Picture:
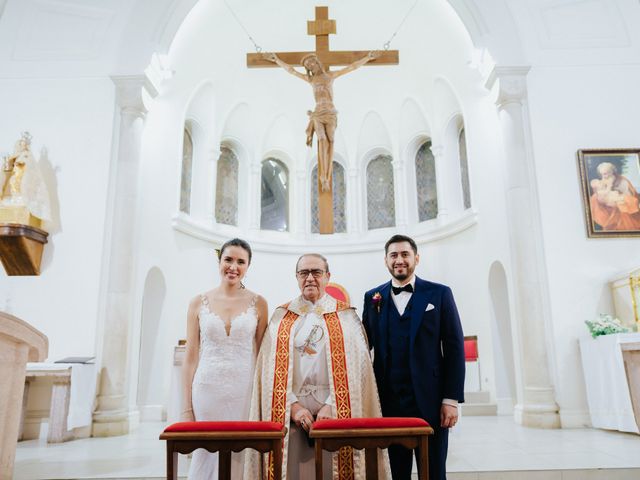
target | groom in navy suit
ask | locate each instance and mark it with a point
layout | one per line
(414, 329)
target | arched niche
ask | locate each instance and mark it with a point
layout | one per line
(280, 136)
(486, 28)
(200, 121)
(150, 389)
(373, 134)
(502, 340)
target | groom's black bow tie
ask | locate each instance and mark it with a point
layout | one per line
(407, 288)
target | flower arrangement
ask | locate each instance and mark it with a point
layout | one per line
(377, 300)
(605, 324)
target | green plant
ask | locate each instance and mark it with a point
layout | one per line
(605, 324)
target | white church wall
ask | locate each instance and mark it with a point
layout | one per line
(71, 121)
(573, 108)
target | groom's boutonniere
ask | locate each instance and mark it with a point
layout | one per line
(377, 300)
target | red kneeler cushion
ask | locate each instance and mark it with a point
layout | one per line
(224, 427)
(379, 423)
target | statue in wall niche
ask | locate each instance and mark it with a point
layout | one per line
(24, 193)
(324, 119)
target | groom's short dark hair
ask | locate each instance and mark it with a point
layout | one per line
(401, 238)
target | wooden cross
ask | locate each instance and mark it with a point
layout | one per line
(321, 28)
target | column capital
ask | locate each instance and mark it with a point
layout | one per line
(437, 150)
(129, 93)
(513, 84)
(214, 153)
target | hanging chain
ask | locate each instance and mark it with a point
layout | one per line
(387, 44)
(257, 47)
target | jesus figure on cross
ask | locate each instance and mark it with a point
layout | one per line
(324, 119)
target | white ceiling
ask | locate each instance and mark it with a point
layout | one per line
(106, 37)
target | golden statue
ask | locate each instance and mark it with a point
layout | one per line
(24, 197)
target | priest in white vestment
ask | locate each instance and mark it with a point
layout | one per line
(309, 345)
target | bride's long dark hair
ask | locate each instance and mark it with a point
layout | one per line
(235, 242)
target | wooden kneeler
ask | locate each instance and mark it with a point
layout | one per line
(224, 438)
(371, 434)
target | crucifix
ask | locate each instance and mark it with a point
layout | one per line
(322, 120)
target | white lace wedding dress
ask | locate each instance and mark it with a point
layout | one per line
(222, 383)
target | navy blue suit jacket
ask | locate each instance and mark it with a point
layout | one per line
(436, 342)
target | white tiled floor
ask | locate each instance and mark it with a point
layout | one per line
(495, 448)
(480, 448)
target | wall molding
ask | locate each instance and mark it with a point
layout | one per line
(339, 243)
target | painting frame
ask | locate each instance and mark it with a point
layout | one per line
(610, 182)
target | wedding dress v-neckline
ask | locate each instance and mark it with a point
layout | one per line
(228, 327)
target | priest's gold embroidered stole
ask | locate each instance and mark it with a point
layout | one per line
(340, 381)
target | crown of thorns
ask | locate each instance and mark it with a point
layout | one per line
(307, 57)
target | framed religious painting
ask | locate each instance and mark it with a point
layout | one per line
(610, 184)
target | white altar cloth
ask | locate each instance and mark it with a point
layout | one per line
(607, 389)
(82, 389)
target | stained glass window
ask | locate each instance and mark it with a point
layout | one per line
(227, 188)
(380, 198)
(274, 213)
(185, 180)
(339, 200)
(464, 169)
(426, 183)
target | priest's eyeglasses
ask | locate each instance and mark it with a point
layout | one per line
(315, 273)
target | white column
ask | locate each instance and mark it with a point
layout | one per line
(300, 203)
(354, 200)
(537, 406)
(255, 201)
(400, 192)
(112, 416)
(441, 181)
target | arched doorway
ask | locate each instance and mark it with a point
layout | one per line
(150, 382)
(502, 337)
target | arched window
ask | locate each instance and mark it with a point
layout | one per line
(464, 169)
(339, 200)
(227, 187)
(426, 187)
(185, 179)
(274, 196)
(381, 210)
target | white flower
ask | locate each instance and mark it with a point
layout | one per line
(605, 324)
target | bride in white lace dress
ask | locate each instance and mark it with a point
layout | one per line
(224, 330)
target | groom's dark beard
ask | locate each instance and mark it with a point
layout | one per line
(402, 276)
